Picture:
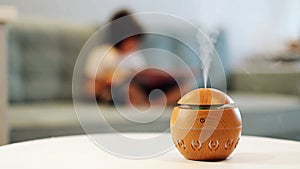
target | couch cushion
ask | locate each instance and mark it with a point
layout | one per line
(262, 114)
(42, 57)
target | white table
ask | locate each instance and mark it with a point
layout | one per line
(7, 13)
(80, 152)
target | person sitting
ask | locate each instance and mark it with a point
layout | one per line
(103, 62)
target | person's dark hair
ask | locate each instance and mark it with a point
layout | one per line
(123, 28)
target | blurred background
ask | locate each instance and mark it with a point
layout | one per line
(258, 42)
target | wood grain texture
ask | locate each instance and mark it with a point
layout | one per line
(188, 127)
(205, 96)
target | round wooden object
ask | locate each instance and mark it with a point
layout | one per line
(205, 96)
(206, 134)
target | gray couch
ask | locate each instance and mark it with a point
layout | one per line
(42, 58)
(41, 63)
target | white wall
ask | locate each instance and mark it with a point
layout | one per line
(253, 26)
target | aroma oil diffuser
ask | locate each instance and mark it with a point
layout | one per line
(206, 126)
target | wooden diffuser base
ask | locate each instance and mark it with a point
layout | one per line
(207, 132)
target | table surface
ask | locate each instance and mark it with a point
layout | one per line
(80, 152)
